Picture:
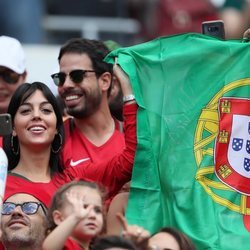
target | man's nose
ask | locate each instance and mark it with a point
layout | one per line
(17, 210)
(68, 83)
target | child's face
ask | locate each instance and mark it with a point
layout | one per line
(92, 225)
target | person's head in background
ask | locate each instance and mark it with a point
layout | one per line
(61, 207)
(23, 222)
(171, 239)
(116, 95)
(84, 80)
(113, 242)
(23, 108)
(12, 69)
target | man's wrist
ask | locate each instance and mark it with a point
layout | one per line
(128, 98)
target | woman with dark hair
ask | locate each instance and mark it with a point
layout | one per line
(170, 238)
(33, 148)
(11, 143)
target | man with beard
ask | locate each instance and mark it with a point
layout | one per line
(23, 222)
(84, 83)
(116, 95)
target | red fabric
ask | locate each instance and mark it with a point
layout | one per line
(42, 191)
(180, 16)
(78, 147)
(70, 245)
(1, 142)
(112, 174)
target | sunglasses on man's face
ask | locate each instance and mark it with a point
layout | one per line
(28, 208)
(75, 75)
(9, 76)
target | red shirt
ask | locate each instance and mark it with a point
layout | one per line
(111, 173)
(71, 244)
(78, 149)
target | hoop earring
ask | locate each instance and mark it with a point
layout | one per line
(55, 151)
(15, 152)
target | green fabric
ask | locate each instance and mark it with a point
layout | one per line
(177, 82)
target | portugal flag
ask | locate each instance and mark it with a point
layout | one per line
(192, 165)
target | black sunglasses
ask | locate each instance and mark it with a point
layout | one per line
(75, 75)
(28, 208)
(9, 76)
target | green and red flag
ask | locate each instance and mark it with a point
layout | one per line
(192, 165)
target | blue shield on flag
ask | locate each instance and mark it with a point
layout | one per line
(237, 150)
(232, 150)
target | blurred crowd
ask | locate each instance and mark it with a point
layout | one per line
(24, 19)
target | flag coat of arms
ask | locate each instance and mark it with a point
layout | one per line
(192, 164)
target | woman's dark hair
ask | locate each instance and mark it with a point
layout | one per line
(111, 241)
(11, 144)
(182, 239)
(58, 199)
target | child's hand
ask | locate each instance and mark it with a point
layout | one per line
(79, 208)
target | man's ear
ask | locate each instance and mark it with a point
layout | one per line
(57, 217)
(106, 79)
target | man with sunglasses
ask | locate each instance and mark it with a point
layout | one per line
(84, 84)
(23, 222)
(12, 69)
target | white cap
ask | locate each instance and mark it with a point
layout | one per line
(12, 54)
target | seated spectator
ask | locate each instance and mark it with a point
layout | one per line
(23, 222)
(170, 238)
(75, 216)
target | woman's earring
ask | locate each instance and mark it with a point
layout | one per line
(55, 151)
(14, 151)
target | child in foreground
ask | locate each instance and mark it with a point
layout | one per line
(75, 216)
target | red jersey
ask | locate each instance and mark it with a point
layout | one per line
(71, 244)
(111, 173)
(78, 149)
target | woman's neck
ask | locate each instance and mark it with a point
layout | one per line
(34, 165)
